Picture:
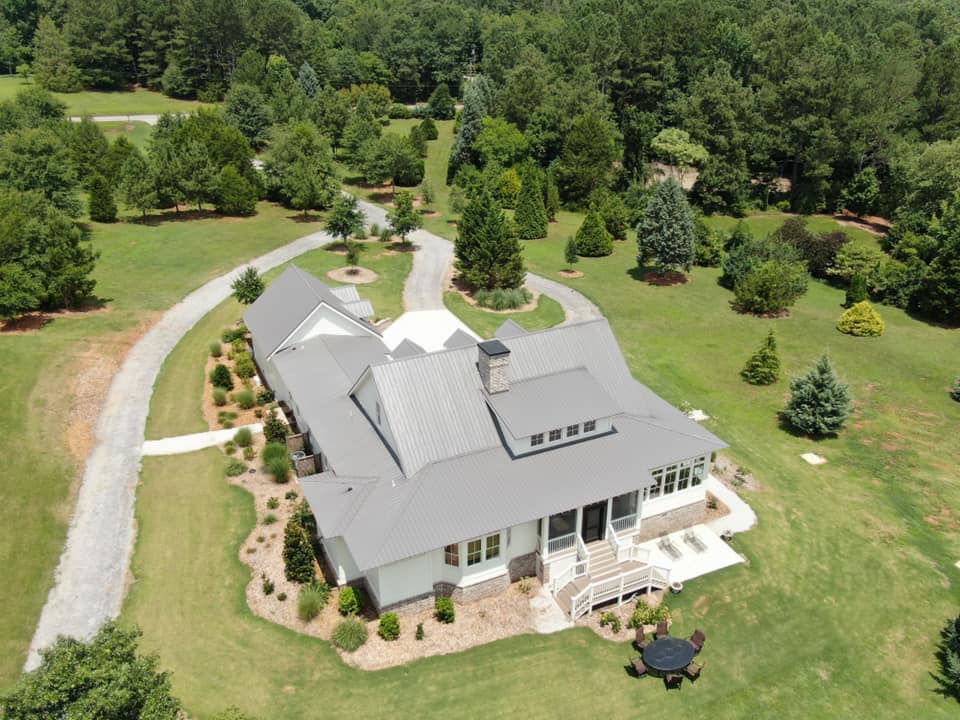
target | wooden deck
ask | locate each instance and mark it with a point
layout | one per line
(603, 566)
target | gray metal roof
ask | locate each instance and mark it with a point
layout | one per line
(363, 309)
(287, 302)
(406, 348)
(552, 401)
(459, 339)
(346, 293)
(509, 329)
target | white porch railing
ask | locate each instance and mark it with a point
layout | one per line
(561, 543)
(579, 568)
(650, 576)
(625, 550)
(622, 524)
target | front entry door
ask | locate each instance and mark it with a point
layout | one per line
(594, 521)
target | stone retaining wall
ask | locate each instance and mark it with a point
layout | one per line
(672, 520)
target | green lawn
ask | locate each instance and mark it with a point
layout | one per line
(547, 314)
(182, 375)
(136, 132)
(90, 102)
(143, 270)
(851, 568)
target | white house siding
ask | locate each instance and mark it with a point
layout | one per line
(324, 321)
(403, 580)
(521, 446)
(338, 554)
(368, 397)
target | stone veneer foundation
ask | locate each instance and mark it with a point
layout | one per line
(672, 520)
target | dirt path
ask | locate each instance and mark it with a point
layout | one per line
(91, 576)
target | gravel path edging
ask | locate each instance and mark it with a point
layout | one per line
(90, 579)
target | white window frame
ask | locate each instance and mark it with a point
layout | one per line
(592, 426)
(453, 554)
(556, 434)
(487, 545)
(573, 430)
(479, 559)
(536, 440)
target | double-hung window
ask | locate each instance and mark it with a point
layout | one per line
(556, 435)
(698, 472)
(683, 481)
(474, 552)
(654, 490)
(493, 546)
(573, 430)
(451, 555)
(590, 426)
(536, 440)
(670, 480)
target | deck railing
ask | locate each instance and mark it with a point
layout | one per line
(579, 568)
(625, 550)
(622, 524)
(561, 543)
(650, 577)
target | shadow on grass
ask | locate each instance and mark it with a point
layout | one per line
(38, 319)
(171, 216)
(649, 275)
(784, 424)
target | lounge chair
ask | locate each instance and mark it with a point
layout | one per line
(698, 639)
(641, 639)
(638, 667)
(673, 681)
(663, 630)
(692, 671)
(691, 539)
(666, 544)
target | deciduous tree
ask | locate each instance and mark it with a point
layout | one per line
(346, 218)
(403, 218)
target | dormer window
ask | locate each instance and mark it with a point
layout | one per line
(555, 435)
(590, 426)
(573, 430)
(536, 440)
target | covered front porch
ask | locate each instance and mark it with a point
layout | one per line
(562, 534)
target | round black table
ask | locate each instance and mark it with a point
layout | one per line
(668, 654)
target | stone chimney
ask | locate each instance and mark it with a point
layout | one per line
(494, 366)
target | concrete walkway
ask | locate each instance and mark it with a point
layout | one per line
(195, 441)
(91, 576)
(741, 517)
(148, 119)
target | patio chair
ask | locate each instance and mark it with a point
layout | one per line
(698, 639)
(693, 540)
(692, 671)
(641, 642)
(663, 630)
(666, 544)
(638, 667)
(673, 681)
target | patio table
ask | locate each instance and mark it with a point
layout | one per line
(668, 654)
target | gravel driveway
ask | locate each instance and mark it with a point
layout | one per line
(90, 579)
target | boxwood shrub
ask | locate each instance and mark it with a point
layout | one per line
(389, 628)
(351, 601)
(444, 611)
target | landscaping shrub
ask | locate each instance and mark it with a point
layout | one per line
(949, 656)
(502, 298)
(819, 403)
(279, 468)
(274, 450)
(258, 413)
(375, 229)
(243, 437)
(235, 467)
(243, 365)
(389, 628)
(269, 519)
(297, 554)
(643, 614)
(267, 586)
(249, 453)
(444, 611)
(351, 601)
(228, 335)
(856, 291)
(274, 429)
(216, 349)
(419, 633)
(955, 390)
(861, 320)
(593, 239)
(226, 424)
(708, 251)
(220, 377)
(229, 447)
(763, 367)
(349, 634)
(818, 249)
(429, 129)
(398, 111)
(525, 585)
(609, 618)
(273, 503)
(313, 598)
(290, 495)
(244, 399)
(282, 596)
(771, 288)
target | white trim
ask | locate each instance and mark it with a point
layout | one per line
(320, 305)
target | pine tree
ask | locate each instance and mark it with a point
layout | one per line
(593, 240)
(297, 554)
(950, 656)
(248, 286)
(666, 230)
(488, 255)
(763, 367)
(570, 253)
(53, 65)
(819, 403)
(531, 215)
(102, 208)
(551, 197)
(476, 97)
(441, 104)
(403, 219)
(235, 195)
(308, 81)
(137, 188)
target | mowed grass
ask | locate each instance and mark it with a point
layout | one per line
(143, 270)
(182, 375)
(547, 313)
(93, 102)
(851, 568)
(136, 132)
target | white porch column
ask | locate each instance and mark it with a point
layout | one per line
(579, 520)
(544, 536)
(609, 515)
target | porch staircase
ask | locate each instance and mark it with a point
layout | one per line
(608, 580)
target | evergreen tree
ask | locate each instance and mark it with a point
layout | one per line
(861, 320)
(950, 656)
(36, 159)
(403, 219)
(939, 293)
(300, 169)
(856, 291)
(297, 554)
(360, 129)
(819, 403)
(117, 154)
(441, 104)
(248, 286)
(570, 253)
(531, 215)
(863, 193)
(666, 230)
(53, 64)
(137, 188)
(475, 107)
(308, 81)
(428, 128)
(593, 240)
(488, 256)
(88, 148)
(955, 390)
(102, 207)
(247, 111)
(551, 197)
(763, 367)
(235, 195)
(346, 218)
